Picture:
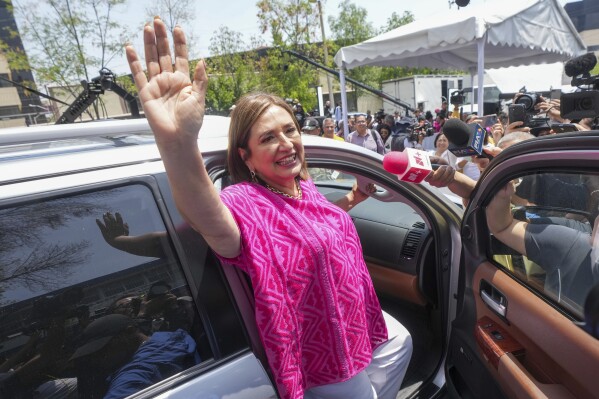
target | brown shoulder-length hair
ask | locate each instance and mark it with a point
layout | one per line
(247, 110)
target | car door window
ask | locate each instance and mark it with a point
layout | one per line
(326, 175)
(543, 225)
(92, 294)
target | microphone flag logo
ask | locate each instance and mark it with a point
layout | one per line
(419, 166)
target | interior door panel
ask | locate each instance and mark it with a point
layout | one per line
(518, 331)
(555, 359)
(396, 283)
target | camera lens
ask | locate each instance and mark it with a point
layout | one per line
(585, 104)
(528, 100)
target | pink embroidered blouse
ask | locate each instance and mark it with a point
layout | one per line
(316, 308)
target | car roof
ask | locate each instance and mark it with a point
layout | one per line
(38, 151)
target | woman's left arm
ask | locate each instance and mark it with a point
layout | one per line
(354, 197)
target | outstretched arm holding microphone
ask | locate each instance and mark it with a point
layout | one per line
(415, 166)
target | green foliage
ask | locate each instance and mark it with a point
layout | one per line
(396, 20)
(61, 35)
(293, 25)
(231, 68)
(127, 83)
(291, 22)
(351, 25)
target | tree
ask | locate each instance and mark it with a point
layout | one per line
(232, 70)
(69, 40)
(26, 259)
(291, 22)
(351, 25)
(293, 25)
(396, 20)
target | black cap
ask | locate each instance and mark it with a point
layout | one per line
(310, 124)
(100, 331)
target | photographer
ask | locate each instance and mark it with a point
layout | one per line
(535, 115)
(414, 140)
(428, 142)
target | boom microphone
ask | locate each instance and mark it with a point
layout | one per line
(464, 139)
(580, 65)
(410, 165)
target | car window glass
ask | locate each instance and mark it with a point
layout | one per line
(91, 294)
(324, 175)
(542, 227)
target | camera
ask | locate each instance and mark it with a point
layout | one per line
(528, 101)
(417, 130)
(585, 103)
(457, 98)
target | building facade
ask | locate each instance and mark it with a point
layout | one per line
(18, 106)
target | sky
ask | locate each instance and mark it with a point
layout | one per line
(240, 16)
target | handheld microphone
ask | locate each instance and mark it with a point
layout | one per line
(409, 165)
(464, 139)
(580, 65)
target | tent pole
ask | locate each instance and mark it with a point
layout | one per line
(343, 102)
(480, 43)
(472, 90)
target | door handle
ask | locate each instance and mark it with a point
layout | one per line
(497, 306)
(493, 298)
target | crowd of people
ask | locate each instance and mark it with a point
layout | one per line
(383, 133)
(560, 249)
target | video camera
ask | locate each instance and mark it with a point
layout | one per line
(528, 101)
(585, 103)
(379, 116)
(417, 129)
(457, 97)
(523, 110)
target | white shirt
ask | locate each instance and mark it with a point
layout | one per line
(448, 156)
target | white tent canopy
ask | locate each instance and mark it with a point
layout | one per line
(535, 77)
(493, 35)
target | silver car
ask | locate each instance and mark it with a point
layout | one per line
(486, 321)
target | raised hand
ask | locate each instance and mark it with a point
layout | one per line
(173, 104)
(112, 227)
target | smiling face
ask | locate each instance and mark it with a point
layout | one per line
(361, 125)
(442, 144)
(384, 133)
(274, 150)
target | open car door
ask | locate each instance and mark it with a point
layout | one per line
(520, 330)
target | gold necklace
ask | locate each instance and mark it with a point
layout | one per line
(295, 197)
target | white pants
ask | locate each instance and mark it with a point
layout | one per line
(382, 378)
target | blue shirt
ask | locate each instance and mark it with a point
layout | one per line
(164, 354)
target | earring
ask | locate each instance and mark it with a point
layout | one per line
(253, 176)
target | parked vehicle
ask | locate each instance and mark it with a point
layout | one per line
(484, 321)
(421, 91)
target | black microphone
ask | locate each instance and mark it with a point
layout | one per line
(462, 3)
(580, 65)
(465, 139)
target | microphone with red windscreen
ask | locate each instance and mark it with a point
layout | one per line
(410, 165)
